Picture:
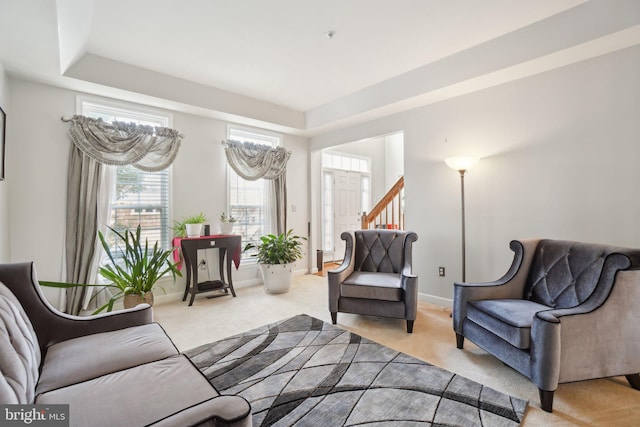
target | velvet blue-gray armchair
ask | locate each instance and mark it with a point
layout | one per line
(565, 311)
(376, 276)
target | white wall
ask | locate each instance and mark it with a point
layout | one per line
(559, 155)
(4, 185)
(394, 159)
(39, 157)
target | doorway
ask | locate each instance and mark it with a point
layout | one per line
(347, 180)
(344, 194)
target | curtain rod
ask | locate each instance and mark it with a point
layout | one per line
(67, 119)
(225, 143)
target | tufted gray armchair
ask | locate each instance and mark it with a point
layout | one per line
(565, 311)
(375, 277)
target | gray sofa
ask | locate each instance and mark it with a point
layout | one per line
(114, 369)
(565, 311)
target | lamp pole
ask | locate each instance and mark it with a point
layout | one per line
(462, 164)
(464, 251)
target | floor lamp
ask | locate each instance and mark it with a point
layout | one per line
(462, 164)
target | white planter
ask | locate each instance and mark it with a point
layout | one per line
(194, 230)
(226, 227)
(276, 277)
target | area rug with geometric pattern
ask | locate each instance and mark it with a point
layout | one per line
(303, 371)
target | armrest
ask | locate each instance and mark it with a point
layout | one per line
(591, 340)
(408, 251)
(78, 326)
(339, 275)
(410, 285)
(219, 411)
(50, 324)
(511, 285)
(349, 258)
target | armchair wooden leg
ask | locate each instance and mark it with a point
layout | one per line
(334, 317)
(634, 380)
(459, 340)
(546, 400)
(409, 326)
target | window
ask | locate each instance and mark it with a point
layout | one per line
(247, 199)
(365, 188)
(327, 210)
(139, 197)
(345, 162)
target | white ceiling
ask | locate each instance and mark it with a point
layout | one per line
(278, 50)
(271, 63)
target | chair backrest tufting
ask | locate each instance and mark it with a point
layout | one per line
(379, 250)
(564, 274)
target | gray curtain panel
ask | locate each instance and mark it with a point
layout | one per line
(280, 194)
(254, 161)
(81, 223)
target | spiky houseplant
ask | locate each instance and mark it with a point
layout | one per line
(180, 227)
(138, 269)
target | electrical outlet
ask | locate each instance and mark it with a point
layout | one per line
(441, 271)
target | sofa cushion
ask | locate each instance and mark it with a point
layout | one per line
(137, 396)
(509, 319)
(20, 355)
(377, 286)
(88, 357)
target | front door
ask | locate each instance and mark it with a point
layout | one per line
(346, 207)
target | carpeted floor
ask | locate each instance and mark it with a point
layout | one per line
(304, 371)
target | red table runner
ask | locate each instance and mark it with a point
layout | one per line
(178, 258)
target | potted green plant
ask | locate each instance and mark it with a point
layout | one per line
(190, 226)
(226, 223)
(276, 256)
(133, 276)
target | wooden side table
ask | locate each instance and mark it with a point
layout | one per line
(229, 248)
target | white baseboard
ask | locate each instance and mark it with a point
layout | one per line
(442, 302)
(167, 298)
(177, 296)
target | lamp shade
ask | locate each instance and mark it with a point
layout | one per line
(461, 163)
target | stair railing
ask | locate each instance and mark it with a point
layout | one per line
(389, 211)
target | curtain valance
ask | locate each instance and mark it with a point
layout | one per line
(145, 147)
(253, 161)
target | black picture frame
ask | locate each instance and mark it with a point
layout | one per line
(3, 134)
